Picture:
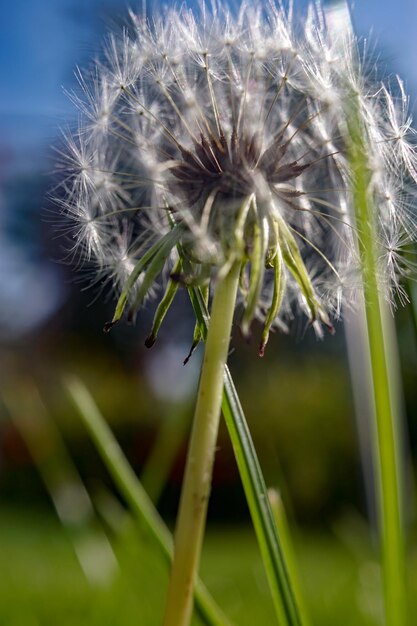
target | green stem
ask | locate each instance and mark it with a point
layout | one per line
(197, 479)
(386, 452)
(131, 489)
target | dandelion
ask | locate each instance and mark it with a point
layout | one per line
(214, 151)
(229, 131)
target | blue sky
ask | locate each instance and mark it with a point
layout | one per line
(42, 40)
(392, 24)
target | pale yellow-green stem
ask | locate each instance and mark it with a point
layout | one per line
(191, 519)
(387, 453)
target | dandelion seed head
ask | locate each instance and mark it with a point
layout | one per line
(232, 126)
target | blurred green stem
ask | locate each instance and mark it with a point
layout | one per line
(386, 446)
(69, 496)
(171, 434)
(412, 292)
(198, 472)
(132, 490)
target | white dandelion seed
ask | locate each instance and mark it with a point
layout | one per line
(225, 134)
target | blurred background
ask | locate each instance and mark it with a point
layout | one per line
(70, 551)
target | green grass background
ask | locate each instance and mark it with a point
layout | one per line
(42, 583)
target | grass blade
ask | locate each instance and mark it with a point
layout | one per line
(60, 476)
(133, 492)
(271, 548)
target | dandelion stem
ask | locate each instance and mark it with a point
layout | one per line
(387, 463)
(197, 480)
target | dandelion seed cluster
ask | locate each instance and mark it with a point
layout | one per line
(223, 137)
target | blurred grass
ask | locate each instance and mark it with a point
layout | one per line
(312, 387)
(42, 583)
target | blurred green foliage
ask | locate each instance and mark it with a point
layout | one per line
(297, 401)
(298, 407)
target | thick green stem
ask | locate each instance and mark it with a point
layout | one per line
(387, 462)
(198, 472)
